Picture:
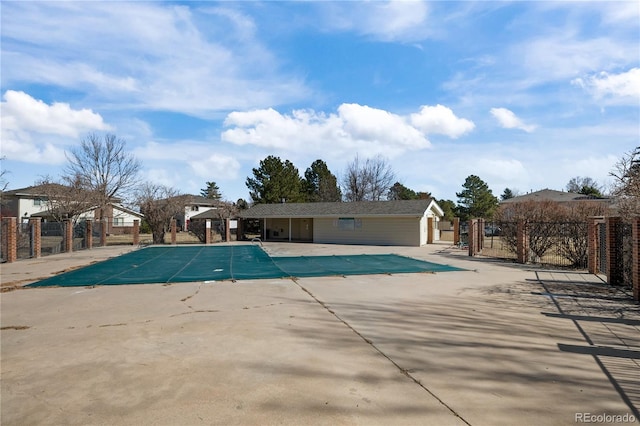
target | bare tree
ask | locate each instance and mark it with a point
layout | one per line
(626, 187)
(66, 201)
(159, 204)
(102, 165)
(369, 180)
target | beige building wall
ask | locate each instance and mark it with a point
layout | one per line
(370, 230)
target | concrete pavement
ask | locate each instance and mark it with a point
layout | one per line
(497, 344)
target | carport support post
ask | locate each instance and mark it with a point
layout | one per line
(10, 239)
(36, 236)
(635, 272)
(68, 235)
(173, 231)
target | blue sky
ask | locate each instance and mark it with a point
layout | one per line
(526, 95)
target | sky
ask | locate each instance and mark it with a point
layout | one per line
(525, 95)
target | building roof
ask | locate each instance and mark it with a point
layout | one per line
(338, 209)
(552, 195)
(200, 200)
(35, 191)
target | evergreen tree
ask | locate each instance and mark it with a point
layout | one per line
(320, 184)
(211, 191)
(507, 194)
(476, 199)
(275, 181)
(400, 192)
(449, 209)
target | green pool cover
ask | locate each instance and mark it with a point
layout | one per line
(217, 263)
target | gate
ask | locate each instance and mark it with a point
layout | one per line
(80, 236)
(24, 241)
(601, 242)
(52, 238)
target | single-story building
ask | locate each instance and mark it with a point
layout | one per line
(402, 222)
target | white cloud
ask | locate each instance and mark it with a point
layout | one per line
(185, 155)
(172, 60)
(509, 120)
(21, 112)
(395, 20)
(35, 132)
(353, 128)
(441, 120)
(623, 88)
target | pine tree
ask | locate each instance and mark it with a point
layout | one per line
(211, 191)
(476, 199)
(275, 181)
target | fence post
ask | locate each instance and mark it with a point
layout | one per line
(521, 242)
(103, 231)
(136, 232)
(88, 234)
(68, 235)
(456, 230)
(429, 230)
(472, 236)
(227, 228)
(592, 246)
(36, 236)
(635, 274)
(614, 272)
(480, 235)
(173, 231)
(207, 231)
(10, 239)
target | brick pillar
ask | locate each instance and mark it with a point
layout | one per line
(68, 236)
(635, 274)
(36, 236)
(10, 239)
(614, 272)
(592, 246)
(429, 230)
(522, 246)
(173, 231)
(480, 235)
(472, 236)
(227, 228)
(207, 231)
(103, 231)
(88, 234)
(136, 232)
(456, 230)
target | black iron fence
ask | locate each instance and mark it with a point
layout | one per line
(51, 238)
(562, 244)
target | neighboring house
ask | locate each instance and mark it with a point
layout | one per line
(25, 202)
(403, 222)
(32, 202)
(194, 205)
(560, 197)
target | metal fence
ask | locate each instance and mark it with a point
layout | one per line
(562, 244)
(52, 238)
(24, 237)
(624, 260)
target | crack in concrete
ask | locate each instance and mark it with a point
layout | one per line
(402, 370)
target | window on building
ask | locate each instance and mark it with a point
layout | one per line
(194, 208)
(37, 202)
(118, 221)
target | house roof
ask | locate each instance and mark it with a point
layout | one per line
(200, 200)
(552, 195)
(47, 213)
(34, 191)
(337, 209)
